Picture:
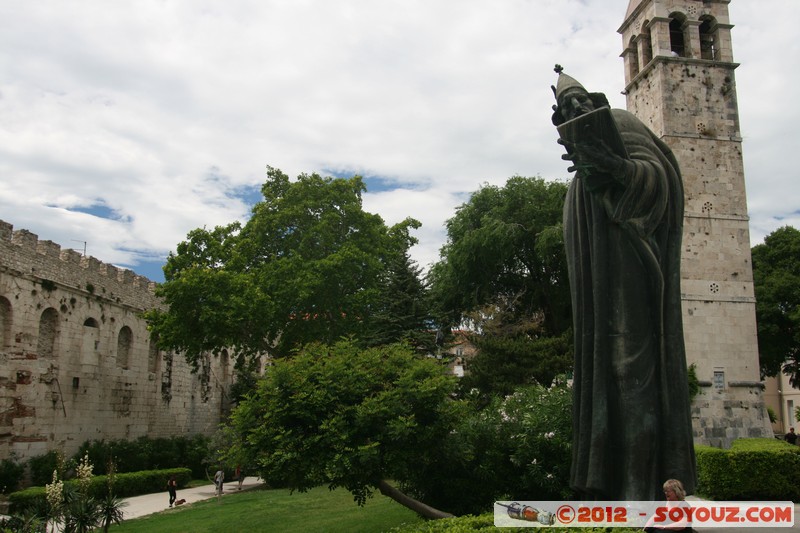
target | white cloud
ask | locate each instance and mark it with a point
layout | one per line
(160, 110)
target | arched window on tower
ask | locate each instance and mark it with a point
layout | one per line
(48, 332)
(633, 61)
(124, 342)
(646, 43)
(677, 39)
(90, 342)
(708, 38)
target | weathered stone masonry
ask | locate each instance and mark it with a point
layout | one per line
(76, 359)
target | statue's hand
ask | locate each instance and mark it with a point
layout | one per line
(597, 156)
(581, 166)
(570, 155)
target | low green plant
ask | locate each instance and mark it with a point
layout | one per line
(772, 416)
(42, 467)
(753, 469)
(22, 524)
(484, 523)
(72, 507)
(148, 454)
(10, 475)
(127, 484)
(516, 447)
(694, 382)
(761, 444)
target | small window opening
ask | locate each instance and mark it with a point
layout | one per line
(634, 58)
(708, 40)
(676, 39)
(647, 45)
(719, 379)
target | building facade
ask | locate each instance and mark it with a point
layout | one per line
(76, 359)
(679, 80)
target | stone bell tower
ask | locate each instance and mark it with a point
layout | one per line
(679, 80)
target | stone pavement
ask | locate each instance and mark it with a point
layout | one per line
(153, 503)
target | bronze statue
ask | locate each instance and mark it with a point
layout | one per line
(623, 219)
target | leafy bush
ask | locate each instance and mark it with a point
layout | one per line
(42, 467)
(10, 475)
(468, 523)
(744, 445)
(125, 485)
(482, 524)
(753, 469)
(146, 454)
(346, 417)
(517, 447)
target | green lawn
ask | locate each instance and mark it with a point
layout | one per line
(318, 510)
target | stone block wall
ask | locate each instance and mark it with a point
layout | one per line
(76, 359)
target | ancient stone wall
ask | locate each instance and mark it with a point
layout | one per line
(76, 360)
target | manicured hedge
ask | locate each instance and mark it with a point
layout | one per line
(483, 524)
(753, 469)
(125, 485)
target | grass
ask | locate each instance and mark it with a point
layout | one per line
(279, 511)
(197, 483)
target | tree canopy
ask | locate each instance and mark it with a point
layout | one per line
(306, 267)
(402, 310)
(346, 417)
(776, 275)
(505, 247)
(503, 269)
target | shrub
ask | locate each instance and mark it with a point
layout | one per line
(468, 523)
(482, 524)
(10, 474)
(753, 469)
(772, 416)
(42, 467)
(517, 447)
(743, 445)
(125, 485)
(146, 454)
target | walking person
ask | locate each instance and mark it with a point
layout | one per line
(219, 478)
(172, 488)
(240, 475)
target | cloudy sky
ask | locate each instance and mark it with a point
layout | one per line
(124, 125)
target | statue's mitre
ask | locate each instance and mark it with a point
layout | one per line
(565, 82)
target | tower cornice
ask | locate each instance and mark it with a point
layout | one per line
(661, 59)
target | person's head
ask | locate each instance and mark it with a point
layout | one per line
(673, 490)
(572, 99)
(575, 102)
(791, 430)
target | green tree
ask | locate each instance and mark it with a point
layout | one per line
(306, 267)
(347, 417)
(503, 269)
(776, 275)
(518, 444)
(505, 362)
(402, 311)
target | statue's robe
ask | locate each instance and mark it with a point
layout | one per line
(632, 420)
